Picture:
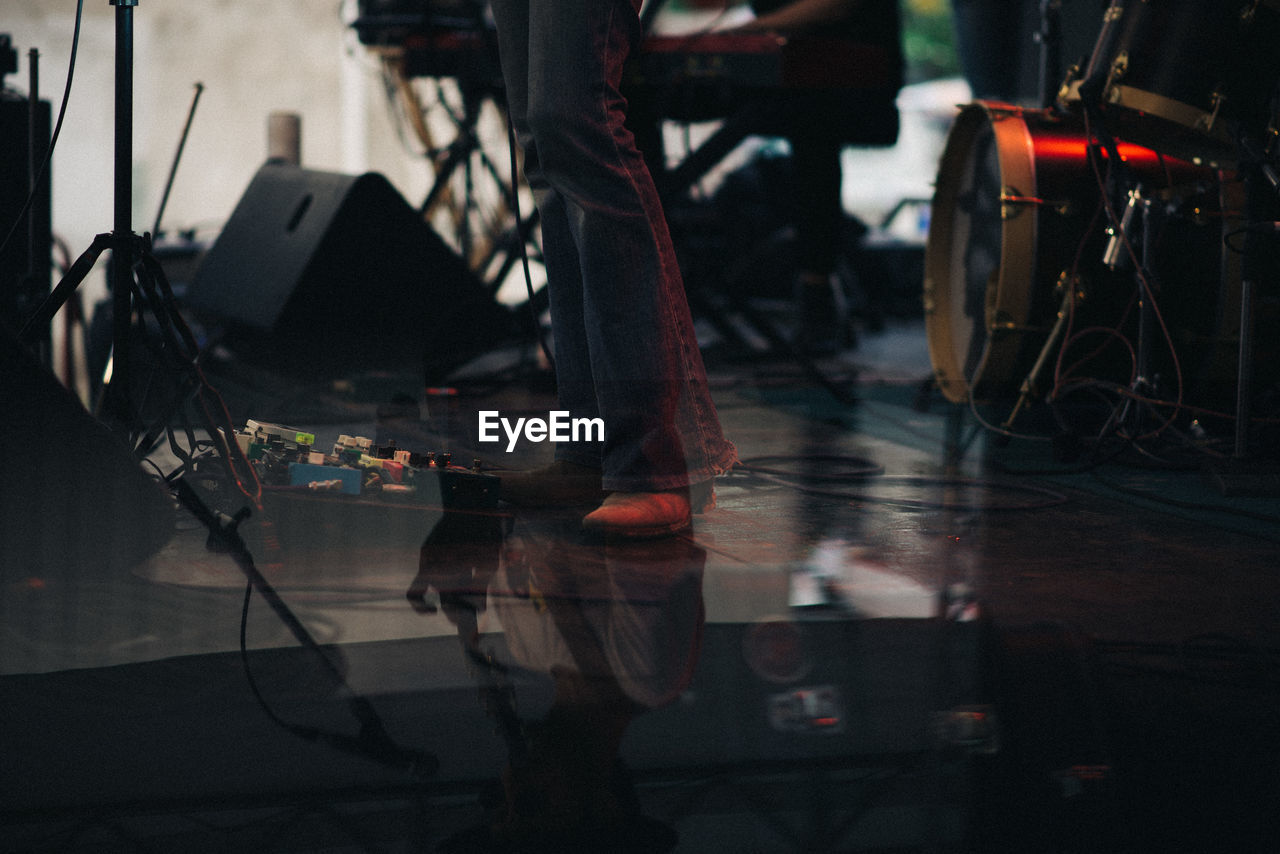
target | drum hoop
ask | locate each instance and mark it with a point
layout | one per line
(938, 274)
(1169, 109)
(1009, 307)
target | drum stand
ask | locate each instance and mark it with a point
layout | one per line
(1241, 474)
(1139, 205)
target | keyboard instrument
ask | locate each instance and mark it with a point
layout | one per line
(763, 61)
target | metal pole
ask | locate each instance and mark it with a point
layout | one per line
(36, 288)
(1244, 378)
(122, 247)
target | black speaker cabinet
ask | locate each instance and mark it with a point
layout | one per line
(24, 276)
(318, 273)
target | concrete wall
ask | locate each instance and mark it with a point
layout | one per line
(252, 57)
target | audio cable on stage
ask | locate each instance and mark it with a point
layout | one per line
(857, 474)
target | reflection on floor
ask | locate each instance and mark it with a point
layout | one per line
(891, 634)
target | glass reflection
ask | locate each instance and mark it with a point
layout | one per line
(615, 626)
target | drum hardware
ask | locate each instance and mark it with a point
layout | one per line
(1207, 121)
(1144, 381)
(1261, 170)
(1012, 202)
(1112, 257)
(1020, 227)
(1070, 82)
(1181, 83)
(1014, 206)
(1182, 78)
(1119, 68)
(1071, 294)
(1250, 12)
(1144, 215)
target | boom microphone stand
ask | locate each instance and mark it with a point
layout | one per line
(126, 247)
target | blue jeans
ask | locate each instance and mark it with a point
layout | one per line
(625, 349)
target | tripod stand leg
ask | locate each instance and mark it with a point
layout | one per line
(58, 297)
(1031, 385)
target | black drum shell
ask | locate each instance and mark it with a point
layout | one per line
(1183, 77)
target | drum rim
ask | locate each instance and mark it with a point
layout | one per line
(1209, 130)
(1009, 307)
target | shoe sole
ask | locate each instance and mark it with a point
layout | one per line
(649, 532)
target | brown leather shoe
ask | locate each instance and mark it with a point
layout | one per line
(641, 515)
(561, 484)
(648, 515)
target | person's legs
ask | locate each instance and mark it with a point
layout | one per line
(619, 316)
(822, 318)
(575, 390)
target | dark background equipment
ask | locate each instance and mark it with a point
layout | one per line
(24, 261)
(85, 507)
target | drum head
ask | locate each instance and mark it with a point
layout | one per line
(974, 241)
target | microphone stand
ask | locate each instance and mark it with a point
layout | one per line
(123, 238)
(126, 247)
(372, 741)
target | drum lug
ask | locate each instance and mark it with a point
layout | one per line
(1012, 202)
(1001, 322)
(1207, 122)
(1118, 70)
(1068, 284)
(1072, 79)
(929, 297)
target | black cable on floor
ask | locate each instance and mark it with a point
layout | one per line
(867, 473)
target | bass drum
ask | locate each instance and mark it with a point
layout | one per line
(1016, 220)
(1184, 77)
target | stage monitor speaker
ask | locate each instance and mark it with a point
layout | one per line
(320, 273)
(73, 500)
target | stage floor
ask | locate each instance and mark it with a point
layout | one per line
(892, 633)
